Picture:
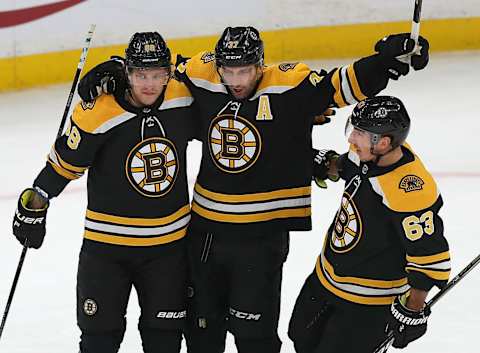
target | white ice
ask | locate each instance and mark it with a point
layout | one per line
(443, 101)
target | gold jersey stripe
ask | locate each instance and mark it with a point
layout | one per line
(255, 197)
(68, 166)
(437, 275)
(375, 283)
(383, 300)
(337, 85)
(129, 221)
(249, 218)
(357, 92)
(130, 241)
(423, 260)
(63, 172)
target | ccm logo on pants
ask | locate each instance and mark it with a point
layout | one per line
(244, 316)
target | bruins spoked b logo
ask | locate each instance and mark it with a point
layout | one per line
(152, 166)
(347, 229)
(235, 143)
(90, 307)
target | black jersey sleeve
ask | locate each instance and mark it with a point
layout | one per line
(71, 155)
(427, 260)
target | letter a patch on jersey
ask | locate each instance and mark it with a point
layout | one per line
(264, 112)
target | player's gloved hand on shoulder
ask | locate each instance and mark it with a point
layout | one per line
(407, 325)
(324, 118)
(30, 218)
(395, 45)
(105, 78)
(321, 165)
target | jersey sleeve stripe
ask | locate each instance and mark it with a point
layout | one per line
(352, 78)
(346, 90)
(337, 86)
(55, 156)
(436, 275)
(424, 260)
(62, 172)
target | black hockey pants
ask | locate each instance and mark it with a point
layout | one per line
(237, 281)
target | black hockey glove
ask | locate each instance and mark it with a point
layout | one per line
(324, 118)
(321, 165)
(105, 78)
(29, 221)
(396, 45)
(407, 325)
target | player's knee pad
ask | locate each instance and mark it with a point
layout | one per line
(105, 342)
(258, 345)
(156, 340)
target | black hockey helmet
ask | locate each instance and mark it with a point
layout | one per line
(239, 46)
(147, 49)
(382, 116)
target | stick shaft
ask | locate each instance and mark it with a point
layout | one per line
(81, 63)
(12, 289)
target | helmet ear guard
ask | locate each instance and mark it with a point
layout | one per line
(239, 46)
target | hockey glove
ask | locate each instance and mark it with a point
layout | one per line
(321, 166)
(30, 218)
(105, 78)
(324, 118)
(396, 45)
(407, 325)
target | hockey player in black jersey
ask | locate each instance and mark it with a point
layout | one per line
(133, 145)
(385, 248)
(253, 186)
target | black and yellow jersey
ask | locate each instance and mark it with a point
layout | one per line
(387, 235)
(135, 157)
(256, 164)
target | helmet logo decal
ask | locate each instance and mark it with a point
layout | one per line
(234, 143)
(152, 166)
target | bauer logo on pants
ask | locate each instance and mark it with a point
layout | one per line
(235, 143)
(152, 166)
(90, 307)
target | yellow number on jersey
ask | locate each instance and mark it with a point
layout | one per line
(415, 227)
(264, 112)
(74, 137)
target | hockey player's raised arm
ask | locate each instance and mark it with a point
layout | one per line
(365, 77)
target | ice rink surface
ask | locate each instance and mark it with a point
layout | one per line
(443, 102)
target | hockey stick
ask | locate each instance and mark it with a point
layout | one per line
(80, 65)
(414, 32)
(383, 347)
(14, 286)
